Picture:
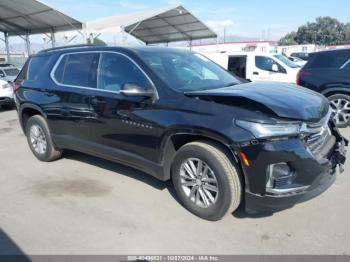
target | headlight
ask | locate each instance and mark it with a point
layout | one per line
(268, 130)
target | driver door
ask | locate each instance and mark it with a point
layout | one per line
(120, 123)
(267, 69)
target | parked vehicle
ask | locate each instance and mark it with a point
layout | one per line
(177, 115)
(8, 72)
(257, 66)
(297, 61)
(301, 55)
(328, 72)
(6, 95)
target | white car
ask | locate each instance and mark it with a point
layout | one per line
(8, 72)
(6, 95)
(255, 66)
(298, 61)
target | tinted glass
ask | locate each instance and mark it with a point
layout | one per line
(23, 74)
(78, 70)
(186, 71)
(265, 63)
(12, 72)
(330, 60)
(36, 65)
(117, 70)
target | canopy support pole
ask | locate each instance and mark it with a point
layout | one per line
(7, 46)
(53, 38)
(27, 40)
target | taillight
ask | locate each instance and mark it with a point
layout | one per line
(15, 87)
(301, 74)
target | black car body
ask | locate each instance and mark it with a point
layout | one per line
(295, 161)
(328, 73)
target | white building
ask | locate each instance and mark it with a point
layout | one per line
(298, 48)
(248, 46)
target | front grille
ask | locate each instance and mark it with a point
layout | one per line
(282, 181)
(321, 141)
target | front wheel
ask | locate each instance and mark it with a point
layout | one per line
(206, 181)
(340, 105)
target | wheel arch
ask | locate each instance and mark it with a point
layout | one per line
(176, 139)
(336, 90)
(28, 110)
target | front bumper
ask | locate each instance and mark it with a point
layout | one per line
(6, 101)
(316, 175)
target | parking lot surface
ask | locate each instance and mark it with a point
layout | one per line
(86, 205)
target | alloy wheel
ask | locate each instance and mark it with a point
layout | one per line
(340, 111)
(199, 182)
(38, 139)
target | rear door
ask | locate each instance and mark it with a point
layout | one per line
(75, 76)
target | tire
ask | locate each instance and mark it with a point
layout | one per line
(228, 181)
(38, 126)
(8, 106)
(340, 105)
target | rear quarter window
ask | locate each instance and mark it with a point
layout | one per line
(37, 65)
(329, 60)
(23, 74)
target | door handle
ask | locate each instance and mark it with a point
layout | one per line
(256, 73)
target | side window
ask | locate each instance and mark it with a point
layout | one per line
(36, 65)
(78, 70)
(23, 74)
(266, 63)
(116, 70)
(330, 60)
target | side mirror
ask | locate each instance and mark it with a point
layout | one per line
(2, 75)
(132, 89)
(275, 68)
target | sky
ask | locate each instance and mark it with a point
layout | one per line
(241, 18)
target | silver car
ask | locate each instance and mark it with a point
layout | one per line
(6, 95)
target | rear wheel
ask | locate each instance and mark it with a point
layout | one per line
(39, 139)
(206, 181)
(340, 105)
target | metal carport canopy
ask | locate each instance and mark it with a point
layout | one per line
(162, 25)
(20, 17)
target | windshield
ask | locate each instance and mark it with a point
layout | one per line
(12, 72)
(286, 61)
(186, 71)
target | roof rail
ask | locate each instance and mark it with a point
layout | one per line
(68, 47)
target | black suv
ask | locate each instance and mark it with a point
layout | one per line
(176, 115)
(328, 72)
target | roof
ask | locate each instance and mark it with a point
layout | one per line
(161, 25)
(33, 17)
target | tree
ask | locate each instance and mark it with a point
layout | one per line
(324, 31)
(289, 39)
(97, 41)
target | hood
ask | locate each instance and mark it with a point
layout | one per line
(284, 100)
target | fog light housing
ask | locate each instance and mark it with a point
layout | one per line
(279, 177)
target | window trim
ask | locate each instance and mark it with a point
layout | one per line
(345, 64)
(52, 73)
